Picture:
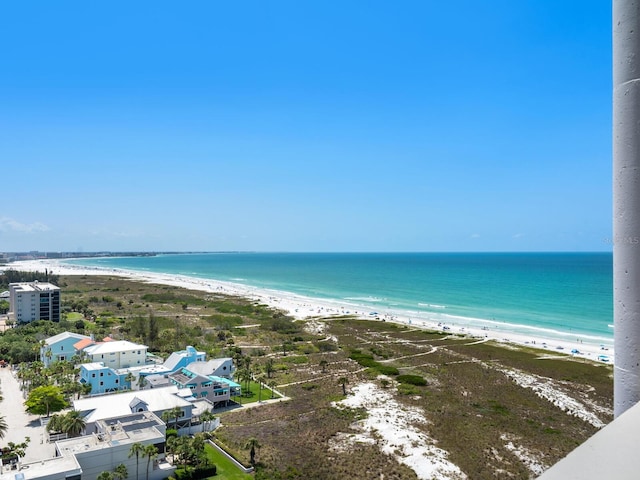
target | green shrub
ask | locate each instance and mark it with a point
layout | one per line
(386, 369)
(412, 380)
(405, 389)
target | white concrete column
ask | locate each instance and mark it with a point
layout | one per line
(626, 203)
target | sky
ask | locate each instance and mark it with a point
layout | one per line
(357, 125)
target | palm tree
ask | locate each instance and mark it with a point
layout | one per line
(252, 444)
(136, 449)
(244, 376)
(272, 386)
(343, 381)
(105, 476)
(206, 417)
(129, 378)
(323, 365)
(151, 452)
(55, 423)
(120, 472)
(3, 427)
(73, 423)
(259, 379)
(269, 367)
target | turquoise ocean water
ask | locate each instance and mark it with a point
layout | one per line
(556, 295)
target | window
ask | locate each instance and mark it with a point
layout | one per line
(117, 381)
(102, 374)
(101, 383)
(93, 375)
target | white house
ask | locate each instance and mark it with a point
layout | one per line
(158, 401)
(107, 446)
(117, 354)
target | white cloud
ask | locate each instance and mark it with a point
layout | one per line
(114, 233)
(475, 235)
(518, 235)
(10, 225)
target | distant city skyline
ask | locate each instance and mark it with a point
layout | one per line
(306, 126)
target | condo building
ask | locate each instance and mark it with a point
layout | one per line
(34, 301)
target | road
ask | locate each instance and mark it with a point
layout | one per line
(21, 424)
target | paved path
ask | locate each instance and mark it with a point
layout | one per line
(21, 424)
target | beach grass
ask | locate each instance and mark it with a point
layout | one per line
(472, 405)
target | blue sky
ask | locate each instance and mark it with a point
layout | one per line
(305, 125)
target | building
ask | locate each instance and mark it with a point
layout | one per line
(158, 401)
(216, 390)
(34, 301)
(117, 354)
(103, 379)
(218, 367)
(106, 446)
(178, 360)
(60, 347)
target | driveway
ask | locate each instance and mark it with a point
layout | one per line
(21, 424)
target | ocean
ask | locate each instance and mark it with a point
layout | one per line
(555, 295)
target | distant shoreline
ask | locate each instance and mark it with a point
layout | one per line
(301, 307)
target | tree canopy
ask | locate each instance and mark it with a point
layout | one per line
(45, 399)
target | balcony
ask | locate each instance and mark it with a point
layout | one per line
(610, 453)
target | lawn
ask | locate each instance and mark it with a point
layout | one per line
(225, 468)
(255, 395)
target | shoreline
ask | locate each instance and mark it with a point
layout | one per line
(301, 307)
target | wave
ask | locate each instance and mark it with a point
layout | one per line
(366, 299)
(431, 305)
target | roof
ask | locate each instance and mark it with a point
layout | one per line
(207, 368)
(85, 342)
(113, 347)
(92, 366)
(33, 286)
(65, 336)
(174, 359)
(115, 405)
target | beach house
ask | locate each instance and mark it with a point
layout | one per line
(117, 354)
(158, 401)
(60, 347)
(216, 390)
(104, 379)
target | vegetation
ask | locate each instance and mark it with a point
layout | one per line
(71, 423)
(44, 400)
(3, 427)
(14, 451)
(225, 468)
(15, 276)
(412, 380)
(467, 400)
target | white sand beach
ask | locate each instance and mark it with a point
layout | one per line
(301, 307)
